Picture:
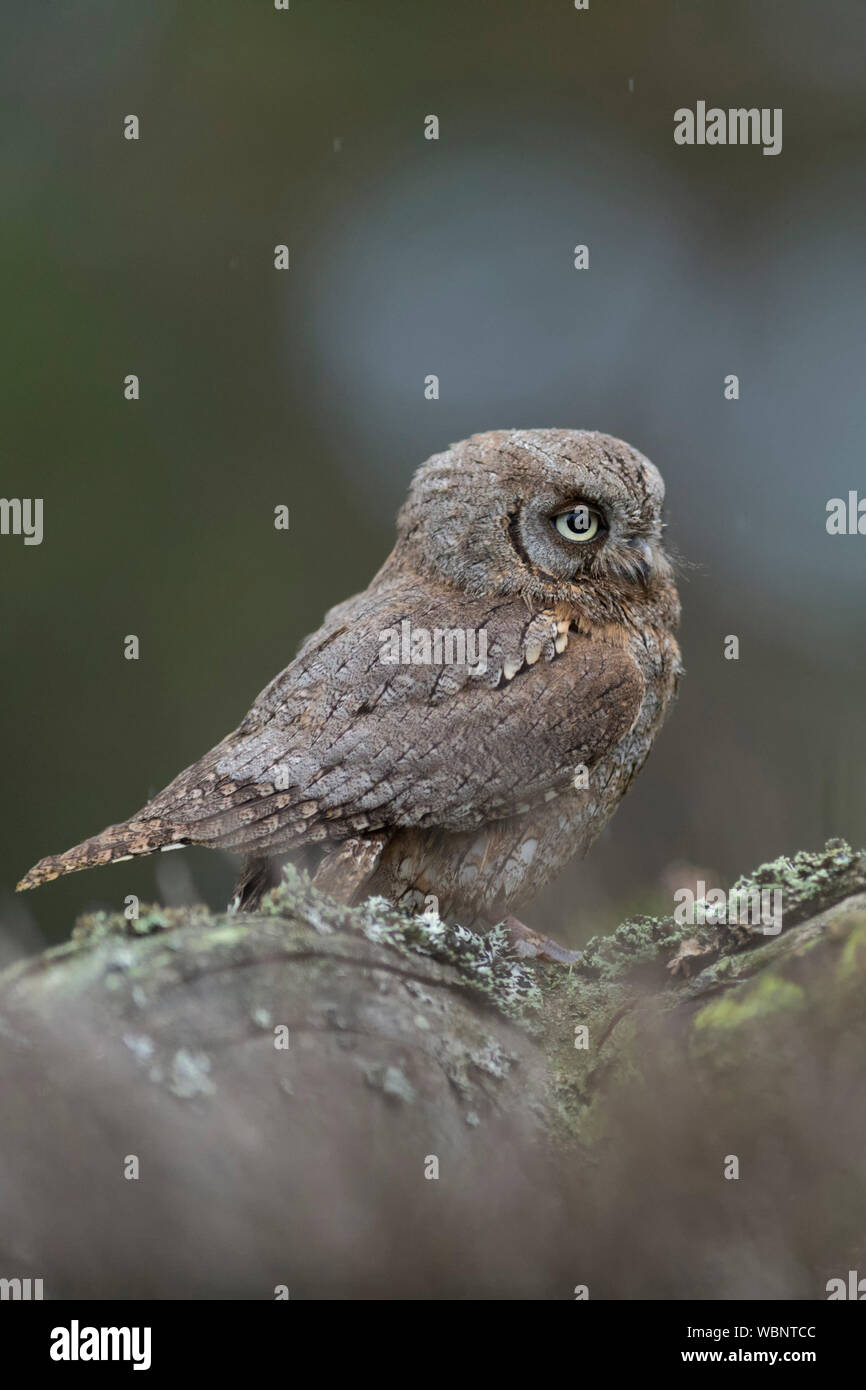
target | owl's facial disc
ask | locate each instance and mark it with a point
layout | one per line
(582, 539)
(556, 516)
(644, 559)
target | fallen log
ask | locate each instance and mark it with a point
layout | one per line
(316, 1101)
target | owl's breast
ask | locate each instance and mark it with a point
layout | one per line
(479, 875)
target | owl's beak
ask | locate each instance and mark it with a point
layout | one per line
(645, 561)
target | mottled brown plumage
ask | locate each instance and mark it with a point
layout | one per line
(435, 777)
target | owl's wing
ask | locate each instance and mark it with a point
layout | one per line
(347, 741)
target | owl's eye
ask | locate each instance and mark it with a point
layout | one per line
(578, 523)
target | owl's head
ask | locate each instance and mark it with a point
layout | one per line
(558, 516)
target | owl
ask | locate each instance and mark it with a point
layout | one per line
(455, 733)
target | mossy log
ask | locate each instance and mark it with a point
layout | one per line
(324, 1101)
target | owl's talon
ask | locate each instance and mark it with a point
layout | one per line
(539, 639)
(562, 629)
(529, 944)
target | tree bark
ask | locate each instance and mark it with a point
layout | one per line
(324, 1101)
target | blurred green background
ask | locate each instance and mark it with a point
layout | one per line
(411, 257)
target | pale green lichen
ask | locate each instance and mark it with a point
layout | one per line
(853, 958)
(639, 940)
(768, 994)
(484, 964)
(95, 926)
(391, 1081)
(808, 881)
(605, 989)
(460, 1061)
(190, 1074)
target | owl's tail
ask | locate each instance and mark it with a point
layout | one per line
(117, 842)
